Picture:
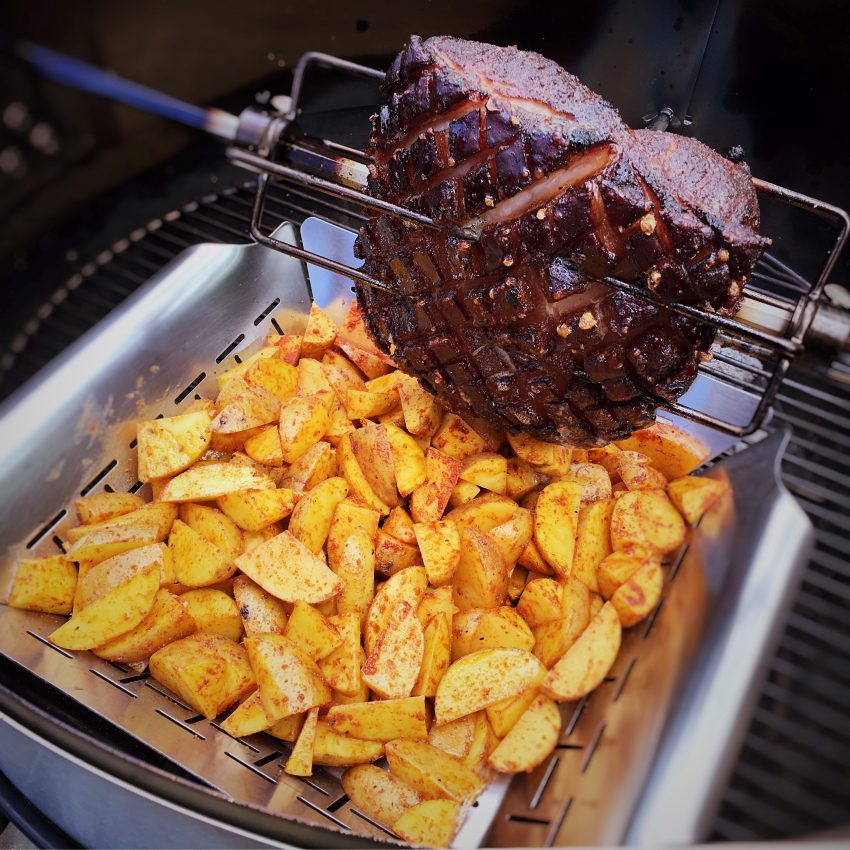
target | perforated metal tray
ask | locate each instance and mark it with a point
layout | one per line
(682, 681)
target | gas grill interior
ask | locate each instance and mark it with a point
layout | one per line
(107, 235)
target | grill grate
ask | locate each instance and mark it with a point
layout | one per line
(791, 775)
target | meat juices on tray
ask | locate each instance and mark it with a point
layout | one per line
(517, 326)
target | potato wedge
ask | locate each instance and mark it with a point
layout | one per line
(431, 771)
(457, 438)
(300, 761)
(383, 720)
(168, 620)
(636, 471)
(501, 628)
(407, 585)
(618, 567)
(362, 404)
(370, 365)
(248, 718)
(546, 457)
(168, 446)
(553, 639)
(439, 545)
(288, 679)
(428, 501)
(214, 612)
(311, 632)
(422, 411)
(208, 481)
(531, 740)
(693, 496)
(314, 466)
(596, 484)
(399, 525)
(341, 667)
(44, 584)
(287, 347)
(254, 510)
(304, 420)
(464, 625)
(338, 426)
(436, 656)
(356, 571)
(483, 678)
(348, 517)
(513, 536)
(361, 490)
(287, 728)
(214, 526)
(504, 714)
(392, 667)
(243, 407)
(522, 478)
(372, 449)
(437, 600)
(432, 823)
(237, 372)
(487, 470)
(143, 527)
(115, 603)
(197, 562)
(274, 376)
(335, 750)
(287, 569)
(311, 519)
(484, 741)
(320, 333)
(556, 522)
(378, 794)
(647, 518)
(587, 662)
(516, 583)
(261, 612)
(104, 506)
(540, 602)
(593, 541)
(532, 560)
(209, 672)
(481, 577)
(462, 493)
(392, 555)
(409, 463)
(639, 594)
(454, 738)
(672, 451)
(485, 512)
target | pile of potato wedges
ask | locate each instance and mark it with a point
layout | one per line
(329, 557)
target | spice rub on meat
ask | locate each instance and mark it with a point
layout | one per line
(515, 324)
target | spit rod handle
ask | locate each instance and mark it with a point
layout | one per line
(81, 75)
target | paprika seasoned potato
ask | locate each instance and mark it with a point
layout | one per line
(44, 584)
(482, 678)
(208, 671)
(354, 571)
(378, 793)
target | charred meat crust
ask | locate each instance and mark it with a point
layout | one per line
(515, 327)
